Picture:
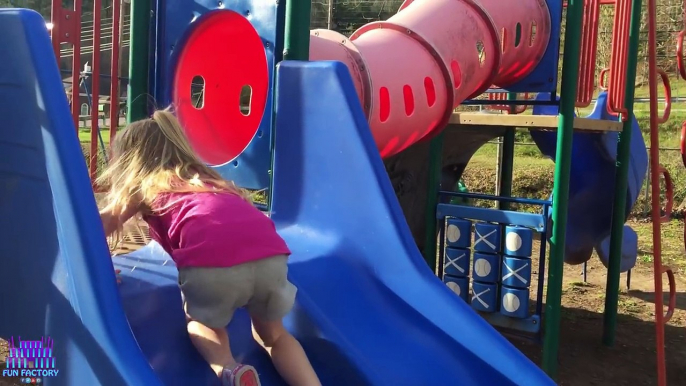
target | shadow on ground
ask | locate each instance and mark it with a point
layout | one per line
(650, 298)
(585, 361)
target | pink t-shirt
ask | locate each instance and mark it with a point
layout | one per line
(212, 230)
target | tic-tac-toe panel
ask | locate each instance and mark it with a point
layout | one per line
(496, 246)
(214, 61)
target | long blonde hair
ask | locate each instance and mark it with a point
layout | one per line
(153, 156)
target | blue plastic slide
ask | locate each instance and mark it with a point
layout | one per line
(591, 189)
(369, 311)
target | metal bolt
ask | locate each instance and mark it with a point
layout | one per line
(267, 44)
(66, 34)
(316, 34)
(247, 12)
(220, 3)
(66, 17)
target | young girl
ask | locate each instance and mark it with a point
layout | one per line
(227, 252)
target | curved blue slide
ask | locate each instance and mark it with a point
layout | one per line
(369, 311)
(591, 189)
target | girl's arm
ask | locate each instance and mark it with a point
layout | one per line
(112, 221)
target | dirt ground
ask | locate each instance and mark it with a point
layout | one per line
(583, 359)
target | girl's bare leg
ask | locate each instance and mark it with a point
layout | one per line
(213, 345)
(287, 354)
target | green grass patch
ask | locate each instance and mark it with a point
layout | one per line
(534, 173)
(672, 243)
(85, 136)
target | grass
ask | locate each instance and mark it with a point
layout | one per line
(85, 136)
(534, 173)
(672, 243)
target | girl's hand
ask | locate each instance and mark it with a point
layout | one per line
(113, 219)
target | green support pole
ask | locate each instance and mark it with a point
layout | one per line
(296, 46)
(563, 161)
(136, 104)
(297, 35)
(507, 161)
(621, 177)
(435, 158)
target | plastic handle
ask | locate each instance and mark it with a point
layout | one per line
(683, 143)
(668, 96)
(680, 54)
(669, 194)
(602, 79)
(671, 305)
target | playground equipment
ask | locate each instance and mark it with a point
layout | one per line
(72, 300)
(374, 103)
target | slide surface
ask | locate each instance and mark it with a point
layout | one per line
(368, 311)
(591, 189)
(56, 277)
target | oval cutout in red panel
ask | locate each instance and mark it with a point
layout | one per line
(457, 73)
(384, 104)
(245, 100)
(198, 91)
(408, 96)
(430, 90)
(481, 51)
(220, 131)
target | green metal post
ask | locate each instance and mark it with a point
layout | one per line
(435, 158)
(296, 46)
(137, 106)
(507, 161)
(621, 177)
(563, 161)
(297, 35)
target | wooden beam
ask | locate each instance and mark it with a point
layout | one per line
(531, 122)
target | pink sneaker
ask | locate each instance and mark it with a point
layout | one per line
(241, 375)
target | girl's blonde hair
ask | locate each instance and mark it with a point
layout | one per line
(153, 156)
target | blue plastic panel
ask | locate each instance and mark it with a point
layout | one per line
(457, 262)
(366, 296)
(459, 285)
(514, 302)
(174, 20)
(530, 325)
(484, 297)
(530, 220)
(544, 76)
(57, 278)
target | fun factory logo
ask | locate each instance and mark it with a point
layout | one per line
(31, 361)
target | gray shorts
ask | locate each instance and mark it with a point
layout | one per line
(211, 295)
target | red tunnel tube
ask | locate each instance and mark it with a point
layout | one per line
(413, 69)
(532, 19)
